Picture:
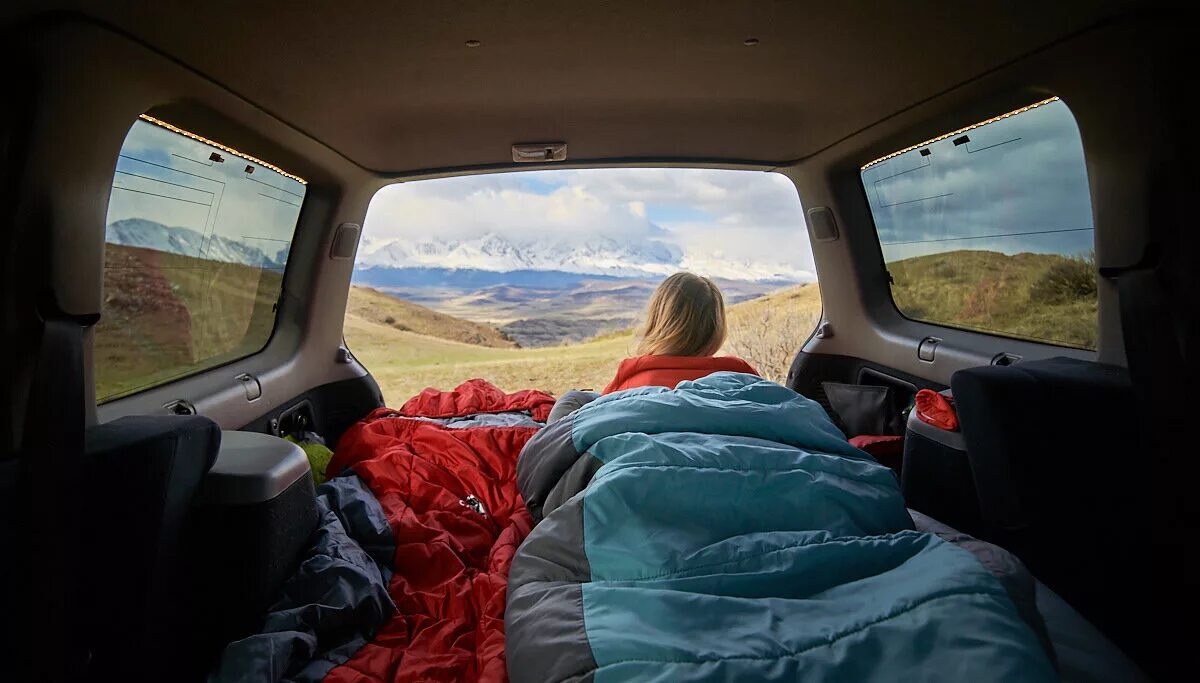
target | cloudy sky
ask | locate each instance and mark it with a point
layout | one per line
(740, 216)
(167, 178)
(1017, 185)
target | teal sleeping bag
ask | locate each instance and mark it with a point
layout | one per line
(725, 530)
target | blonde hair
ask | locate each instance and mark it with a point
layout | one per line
(685, 317)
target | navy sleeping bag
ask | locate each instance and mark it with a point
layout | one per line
(726, 530)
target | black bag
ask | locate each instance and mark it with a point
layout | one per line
(865, 409)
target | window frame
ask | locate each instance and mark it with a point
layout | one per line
(889, 279)
(276, 306)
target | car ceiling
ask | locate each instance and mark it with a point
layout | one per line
(393, 87)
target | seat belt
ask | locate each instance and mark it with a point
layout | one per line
(1157, 367)
(1161, 376)
(54, 468)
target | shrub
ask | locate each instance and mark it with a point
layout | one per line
(944, 269)
(1070, 279)
(770, 340)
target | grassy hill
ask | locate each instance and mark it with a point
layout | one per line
(1035, 296)
(372, 305)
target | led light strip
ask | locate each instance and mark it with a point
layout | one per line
(973, 126)
(188, 134)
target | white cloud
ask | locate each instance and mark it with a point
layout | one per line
(711, 215)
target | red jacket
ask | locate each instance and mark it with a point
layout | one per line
(667, 371)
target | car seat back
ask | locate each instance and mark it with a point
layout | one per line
(143, 473)
(1055, 454)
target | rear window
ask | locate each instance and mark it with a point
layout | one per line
(989, 228)
(196, 243)
(539, 279)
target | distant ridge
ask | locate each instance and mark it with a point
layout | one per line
(380, 308)
(472, 278)
(147, 234)
(594, 255)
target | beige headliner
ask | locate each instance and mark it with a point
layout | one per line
(392, 87)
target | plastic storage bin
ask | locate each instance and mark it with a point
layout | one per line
(256, 509)
(936, 475)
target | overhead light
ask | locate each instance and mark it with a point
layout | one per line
(534, 152)
(472, 43)
(750, 42)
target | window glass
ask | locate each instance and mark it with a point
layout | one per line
(990, 228)
(196, 243)
(539, 279)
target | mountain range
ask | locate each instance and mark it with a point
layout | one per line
(147, 234)
(595, 256)
(479, 262)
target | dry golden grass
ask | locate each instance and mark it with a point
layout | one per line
(166, 316)
(404, 363)
(768, 331)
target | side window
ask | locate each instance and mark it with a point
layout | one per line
(196, 243)
(989, 228)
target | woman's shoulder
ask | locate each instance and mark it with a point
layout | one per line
(625, 369)
(732, 363)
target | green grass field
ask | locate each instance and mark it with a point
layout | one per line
(404, 363)
(166, 315)
(1032, 296)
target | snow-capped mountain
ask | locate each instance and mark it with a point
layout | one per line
(139, 232)
(724, 268)
(491, 252)
(594, 256)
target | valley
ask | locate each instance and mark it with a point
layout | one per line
(537, 308)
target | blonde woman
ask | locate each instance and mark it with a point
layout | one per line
(685, 326)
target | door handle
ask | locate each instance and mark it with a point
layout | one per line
(251, 385)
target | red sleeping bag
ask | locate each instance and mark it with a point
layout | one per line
(449, 494)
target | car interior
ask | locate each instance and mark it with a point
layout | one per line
(136, 548)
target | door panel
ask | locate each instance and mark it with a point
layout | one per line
(329, 410)
(809, 370)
